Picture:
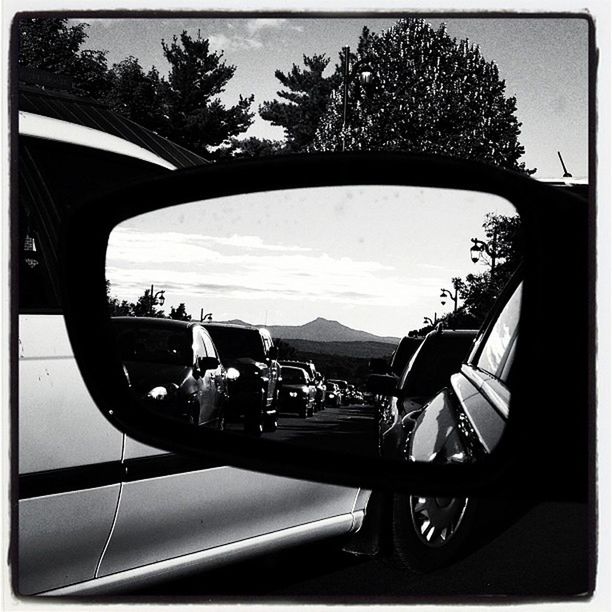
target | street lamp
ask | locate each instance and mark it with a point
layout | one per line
(366, 77)
(156, 297)
(490, 248)
(446, 293)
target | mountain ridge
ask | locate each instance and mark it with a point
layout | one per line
(321, 330)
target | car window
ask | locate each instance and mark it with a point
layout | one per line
(153, 344)
(501, 339)
(236, 342)
(293, 375)
(211, 351)
(199, 344)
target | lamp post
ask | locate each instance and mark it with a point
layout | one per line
(366, 76)
(490, 248)
(156, 297)
(446, 293)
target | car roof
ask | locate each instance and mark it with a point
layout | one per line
(88, 113)
(232, 326)
(157, 322)
(286, 367)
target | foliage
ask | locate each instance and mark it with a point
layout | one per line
(137, 95)
(179, 313)
(50, 44)
(196, 117)
(307, 93)
(251, 147)
(478, 291)
(285, 350)
(430, 94)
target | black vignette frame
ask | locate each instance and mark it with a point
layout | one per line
(546, 448)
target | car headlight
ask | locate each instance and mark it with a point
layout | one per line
(331, 395)
(292, 393)
(162, 392)
(158, 393)
(232, 373)
(305, 389)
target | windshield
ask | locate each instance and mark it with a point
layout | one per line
(293, 376)
(154, 344)
(236, 342)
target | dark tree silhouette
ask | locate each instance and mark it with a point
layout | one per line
(137, 95)
(305, 99)
(429, 94)
(196, 117)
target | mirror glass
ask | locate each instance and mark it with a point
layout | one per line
(327, 317)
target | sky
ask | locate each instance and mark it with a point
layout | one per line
(371, 257)
(543, 61)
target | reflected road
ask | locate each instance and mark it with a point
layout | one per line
(349, 428)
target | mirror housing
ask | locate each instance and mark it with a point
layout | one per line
(529, 458)
(207, 363)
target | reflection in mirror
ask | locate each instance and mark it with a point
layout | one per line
(336, 318)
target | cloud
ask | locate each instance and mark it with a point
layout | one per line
(246, 268)
(222, 42)
(256, 25)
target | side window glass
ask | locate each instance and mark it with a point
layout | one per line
(209, 346)
(199, 349)
(502, 336)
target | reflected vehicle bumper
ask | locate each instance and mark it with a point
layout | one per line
(243, 403)
(293, 404)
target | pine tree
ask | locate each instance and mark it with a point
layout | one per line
(430, 94)
(197, 118)
(307, 94)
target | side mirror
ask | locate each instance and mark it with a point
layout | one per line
(207, 363)
(382, 384)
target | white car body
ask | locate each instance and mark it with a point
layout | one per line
(99, 512)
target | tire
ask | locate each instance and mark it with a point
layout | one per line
(270, 422)
(253, 426)
(428, 533)
(303, 413)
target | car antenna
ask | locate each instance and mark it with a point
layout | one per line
(566, 174)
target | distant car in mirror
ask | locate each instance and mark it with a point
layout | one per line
(173, 368)
(253, 395)
(296, 393)
(311, 372)
(343, 388)
(333, 396)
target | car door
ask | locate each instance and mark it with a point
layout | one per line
(69, 463)
(173, 508)
(483, 387)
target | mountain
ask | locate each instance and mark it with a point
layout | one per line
(324, 330)
(321, 330)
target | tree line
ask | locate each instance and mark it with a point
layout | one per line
(429, 93)
(478, 291)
